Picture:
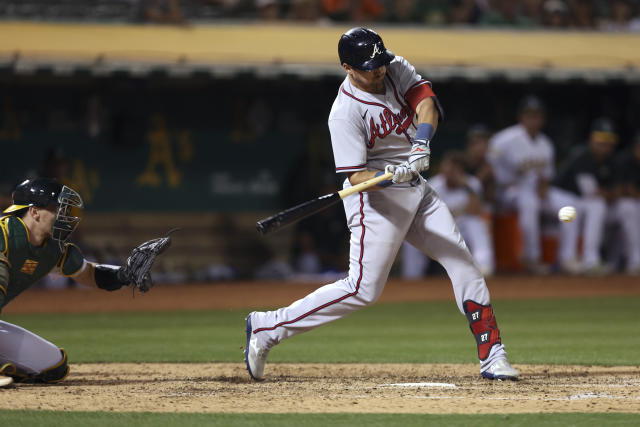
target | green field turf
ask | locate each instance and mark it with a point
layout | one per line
(561, 331)
(129, 419)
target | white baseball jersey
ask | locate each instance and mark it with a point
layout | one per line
(519, 160)
(369, 131)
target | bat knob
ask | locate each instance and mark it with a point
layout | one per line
(261, 228)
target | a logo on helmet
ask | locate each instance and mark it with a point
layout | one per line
(376, 51)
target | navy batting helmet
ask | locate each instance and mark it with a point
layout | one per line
(363, 49)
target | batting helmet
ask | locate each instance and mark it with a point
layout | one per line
(363, 49)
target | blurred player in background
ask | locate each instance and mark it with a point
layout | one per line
(476, 163)
(462, 193)
(523, 159)
(627, 206)
(34, 236)
(589, 174)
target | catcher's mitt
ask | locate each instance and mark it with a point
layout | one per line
(141, 259)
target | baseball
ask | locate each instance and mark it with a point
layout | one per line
(567, 214)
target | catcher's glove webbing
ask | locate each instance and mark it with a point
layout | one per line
(141, 260)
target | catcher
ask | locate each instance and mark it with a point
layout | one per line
(33, 241)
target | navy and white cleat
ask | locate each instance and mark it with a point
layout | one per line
(501, 370)
(254, 356)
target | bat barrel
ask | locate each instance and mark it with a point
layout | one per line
(267, 225)
(296, 213)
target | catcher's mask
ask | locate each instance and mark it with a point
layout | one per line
(68, 217)
(48, 192)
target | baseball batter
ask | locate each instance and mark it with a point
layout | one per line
(383, 119)
(33, 241)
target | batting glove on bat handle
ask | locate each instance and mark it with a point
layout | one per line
(401, 173)
(419, 155)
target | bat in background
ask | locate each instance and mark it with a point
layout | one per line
(303, 210)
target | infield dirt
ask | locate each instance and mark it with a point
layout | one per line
(331, 388)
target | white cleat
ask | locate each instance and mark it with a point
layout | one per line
(254, 356)
(501, 370)
(5, 381)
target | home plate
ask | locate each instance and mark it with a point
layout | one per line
(409, 385)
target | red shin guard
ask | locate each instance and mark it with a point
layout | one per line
(483, 326)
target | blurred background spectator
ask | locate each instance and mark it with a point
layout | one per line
(619, 17)
(160, 12)
(506, 13)
(615, 15)
(555, 14)
(583, 14)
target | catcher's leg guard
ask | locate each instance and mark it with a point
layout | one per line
(55, 373)
(483, 326)
(51, 375)
(10, 370)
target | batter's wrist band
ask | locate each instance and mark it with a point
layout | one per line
(425, 131)
(383, 184)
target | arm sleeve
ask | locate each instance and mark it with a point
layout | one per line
(72, 260)
(413, 87)
(349, 146)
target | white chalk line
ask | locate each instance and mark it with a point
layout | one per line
(418, 385)
(544, 399)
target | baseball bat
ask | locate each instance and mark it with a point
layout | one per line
(310, 207)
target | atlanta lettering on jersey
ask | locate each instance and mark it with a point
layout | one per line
(388, 122)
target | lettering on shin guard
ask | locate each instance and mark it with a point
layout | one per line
(483, 325)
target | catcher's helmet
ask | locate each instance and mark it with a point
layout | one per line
(363, 49)
(47, 192)
(41, 192)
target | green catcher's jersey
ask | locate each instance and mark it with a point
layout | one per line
(25, 264)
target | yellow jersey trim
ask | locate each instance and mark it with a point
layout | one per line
(5, 235)
(64, 258)
(4, 291)
(14, 208)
